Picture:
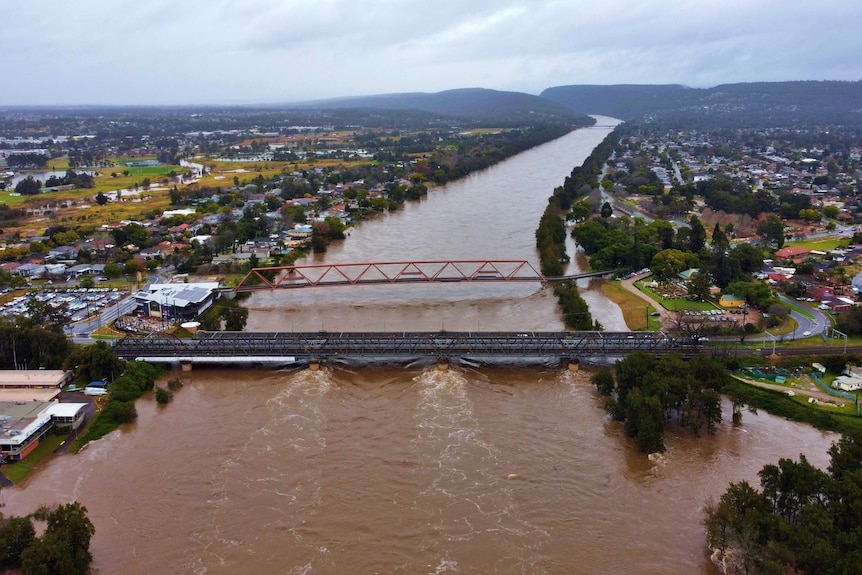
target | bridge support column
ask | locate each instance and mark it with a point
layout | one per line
(574, 364)
(314, 365)
(185, 365)
(443, 365)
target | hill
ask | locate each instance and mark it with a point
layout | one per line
(745, 104)
(476, 104)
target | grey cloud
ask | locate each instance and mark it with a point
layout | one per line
(211, 51)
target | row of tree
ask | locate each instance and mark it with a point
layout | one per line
(551, 233)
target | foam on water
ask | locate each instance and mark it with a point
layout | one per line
(468, 494)
(294, 418)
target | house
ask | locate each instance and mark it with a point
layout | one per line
(31, 270)
(78, 270)
(847, 383)
(63, 253)
(791, 252)
(30, 384)
(55, 270)
(160, 251)
(300, 232)
(686, 275)
(730, 301)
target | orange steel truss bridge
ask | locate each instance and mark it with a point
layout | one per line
(403, 272)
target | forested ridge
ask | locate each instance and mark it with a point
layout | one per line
(744, 104)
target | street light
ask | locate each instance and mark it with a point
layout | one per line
(773, 340)
(840, 334)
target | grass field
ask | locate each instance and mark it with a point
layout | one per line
(675, 304)
(822, 244)
(635, 310)
(16, 472)
(222, 173)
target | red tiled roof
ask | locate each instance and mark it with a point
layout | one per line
(792, 251)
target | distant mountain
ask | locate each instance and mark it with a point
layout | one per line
(620, 101)
(746, 104)
(468, 103)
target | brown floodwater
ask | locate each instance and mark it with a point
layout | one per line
(415, 471)
(400, 471)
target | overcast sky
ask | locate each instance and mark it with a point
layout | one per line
(278, 51)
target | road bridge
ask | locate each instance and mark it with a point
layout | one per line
(281, 348)
(397, 272)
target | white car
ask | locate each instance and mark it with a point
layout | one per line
(806, 333)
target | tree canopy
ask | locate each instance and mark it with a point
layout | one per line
(64, 546)
(648, 392)
(802, 520)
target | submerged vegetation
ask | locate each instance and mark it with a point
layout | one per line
(646, 393)
(803, 520)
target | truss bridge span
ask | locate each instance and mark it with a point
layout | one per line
(396, 272)
(475, 348)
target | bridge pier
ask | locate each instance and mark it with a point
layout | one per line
(314, 365)
(443, 365)
(185, 365)
(574, 364)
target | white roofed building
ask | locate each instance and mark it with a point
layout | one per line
(23, 424)
(177, 301)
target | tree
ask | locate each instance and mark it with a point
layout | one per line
(803, 520)
(28, 186)
(696, 235)
(668, 263)
(607, 210)
(720, 242)
(94, 362)
(603, 379)
(101, 199)
(65, 545)
(16, 534)
(113, 270)
(748, 257)
(163, 396)
(580, 211)
(698, 285)
(40, 313)
(576, 312)
(810, 215)
(771, 230)
(831, 211)
(235, 318)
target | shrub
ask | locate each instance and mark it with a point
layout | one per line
(163, 396)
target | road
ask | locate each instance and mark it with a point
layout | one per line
(80, 331)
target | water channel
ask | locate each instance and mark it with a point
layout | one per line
(393, 470)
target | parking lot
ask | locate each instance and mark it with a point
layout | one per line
(79, 303)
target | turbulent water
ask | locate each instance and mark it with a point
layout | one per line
(390, 470)
(400, 471)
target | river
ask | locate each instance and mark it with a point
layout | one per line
(492, 214)
(394, 470)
